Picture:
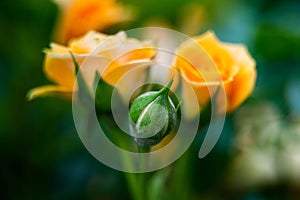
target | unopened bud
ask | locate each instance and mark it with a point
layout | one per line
(153, 116)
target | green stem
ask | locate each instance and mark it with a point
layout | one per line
(134, 186)
(137, 181)
(142, 177)
(142, 149)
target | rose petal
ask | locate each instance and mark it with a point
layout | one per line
(49, 90)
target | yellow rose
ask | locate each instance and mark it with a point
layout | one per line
(77, 17)
(112, 56)
(218, 63)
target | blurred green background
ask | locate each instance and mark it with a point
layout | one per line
(257, 156)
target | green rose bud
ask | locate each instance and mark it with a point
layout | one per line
(153, 116)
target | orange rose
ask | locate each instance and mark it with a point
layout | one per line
(77, 17)
(111, 56)
(206, 63)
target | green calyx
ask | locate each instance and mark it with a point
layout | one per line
(153, 116)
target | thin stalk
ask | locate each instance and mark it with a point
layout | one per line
(142, 177)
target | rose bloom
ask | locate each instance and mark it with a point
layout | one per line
(207, 63)
(110, 56)
(77, 17)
